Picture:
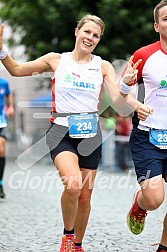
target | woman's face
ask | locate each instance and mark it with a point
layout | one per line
(88, 36)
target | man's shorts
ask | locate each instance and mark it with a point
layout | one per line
(149, 160)
(88, 150)
(3, 132)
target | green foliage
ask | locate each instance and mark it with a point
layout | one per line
(129, 25)
(48, 25)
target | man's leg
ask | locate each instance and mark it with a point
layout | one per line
(2, 164)
(2, 156)
(150, 197)
(2, 168)
(163, 243)
(164, 233)
(152, 193)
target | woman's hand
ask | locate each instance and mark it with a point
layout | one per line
(1, 35)
(130, 75)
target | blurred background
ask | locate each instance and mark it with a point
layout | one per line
(33, 28)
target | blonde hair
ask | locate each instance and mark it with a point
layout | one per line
(93, 18)
(157, 8)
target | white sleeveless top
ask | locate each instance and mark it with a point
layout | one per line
(76, 87)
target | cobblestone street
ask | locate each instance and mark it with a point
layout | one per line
(30, 219)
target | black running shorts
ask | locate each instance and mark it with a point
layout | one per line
(3, 132)
(88, 150)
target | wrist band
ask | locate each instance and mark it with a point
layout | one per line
(3, 52)
(124, 88)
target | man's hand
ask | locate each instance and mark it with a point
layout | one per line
(10, 112)
(143, 111)
(130, 75)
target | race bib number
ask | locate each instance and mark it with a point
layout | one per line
(82, 125)
(158, 138)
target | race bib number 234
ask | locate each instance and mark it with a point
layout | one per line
(82, 125)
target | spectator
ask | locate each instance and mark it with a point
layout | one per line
(6, 110)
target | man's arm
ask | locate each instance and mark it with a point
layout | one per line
(10, 104)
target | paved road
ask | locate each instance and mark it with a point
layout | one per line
(30, 217)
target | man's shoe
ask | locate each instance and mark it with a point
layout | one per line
(2, 194)
(79, 249)
(136, 217)
(67, 243)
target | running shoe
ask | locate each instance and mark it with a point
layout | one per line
(136, 217)
(160, 250)
(79, 249)
(2, 194)
(67, 243)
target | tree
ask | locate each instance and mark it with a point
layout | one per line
(129, 25)
(44, 25)
(48, 25)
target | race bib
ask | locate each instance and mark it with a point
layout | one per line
(82, 125)
(158, 138)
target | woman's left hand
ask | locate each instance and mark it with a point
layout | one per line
(130, 75)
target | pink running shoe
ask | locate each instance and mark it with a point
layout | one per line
(160, 250)
(67, 243)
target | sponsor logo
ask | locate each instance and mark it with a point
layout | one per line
(163, 84)
(93, 69)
